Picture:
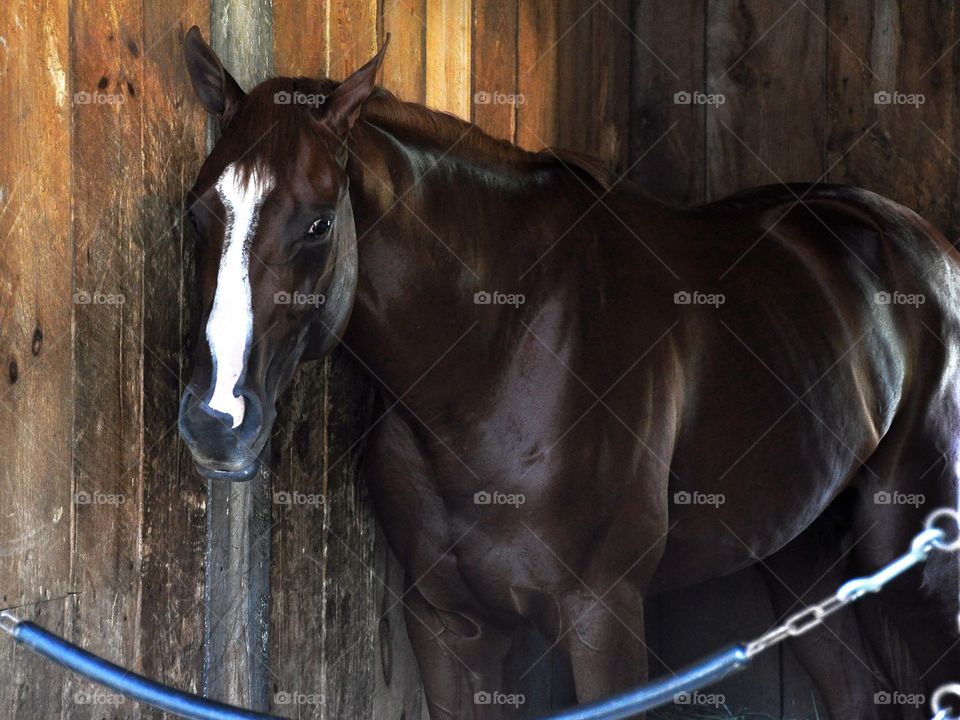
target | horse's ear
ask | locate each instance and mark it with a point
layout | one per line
(342, 107)
(216, 89)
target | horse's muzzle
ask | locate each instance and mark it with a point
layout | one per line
(220, 451)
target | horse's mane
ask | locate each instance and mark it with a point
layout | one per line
(384, 109)
(406, 120)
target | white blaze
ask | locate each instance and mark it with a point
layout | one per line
(230, 325)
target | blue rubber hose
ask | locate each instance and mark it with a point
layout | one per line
(661, 692)
(123, 681)
(185, 705)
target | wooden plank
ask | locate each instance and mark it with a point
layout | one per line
(352, 29)
(572, 98)
(300, 40)
(537, 75)
(351, 588)
(36, 397)
(174, 502)
(107, 182)
(404, 67)
(449, 24)
(31, 689)
(910, 151)
(668, 58)
(297, 623)
(495, 95)
(237, 588)
(753, 51)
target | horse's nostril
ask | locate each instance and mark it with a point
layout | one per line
(234, 409)
(200, 417)
(227, 404)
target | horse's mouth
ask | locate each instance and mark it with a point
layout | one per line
(241, 475)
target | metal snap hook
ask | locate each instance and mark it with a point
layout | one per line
(945, 543)
(8, 622)
(951, 690)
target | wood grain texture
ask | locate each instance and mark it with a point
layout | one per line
(907, 151)
(106, 44)
(538, 33)
(36, 305)
(449, 24)
(32, 688)
(668, 58)
(754, 49)
(404, 67)
(237, 591)
(352, 28)
(351, 587)
(174, 500)
(300, 39)
(572, 98)
(494, 97)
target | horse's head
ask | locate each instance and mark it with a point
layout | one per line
(277, 260)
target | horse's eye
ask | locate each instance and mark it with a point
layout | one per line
(192, 219)
(319, 228)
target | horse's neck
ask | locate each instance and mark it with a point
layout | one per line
(433, 229)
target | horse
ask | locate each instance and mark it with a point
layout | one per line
(586, 397)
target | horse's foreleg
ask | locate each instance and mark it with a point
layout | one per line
(461, 661)
(602, 633)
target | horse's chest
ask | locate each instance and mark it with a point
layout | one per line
(480, 519)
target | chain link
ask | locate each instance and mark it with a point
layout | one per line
(813, 616)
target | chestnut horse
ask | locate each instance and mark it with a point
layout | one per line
(587, 397)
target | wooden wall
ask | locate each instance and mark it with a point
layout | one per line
(106, 533)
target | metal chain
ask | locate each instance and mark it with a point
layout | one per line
(810, 617)
(931, 538)
(950, 690)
